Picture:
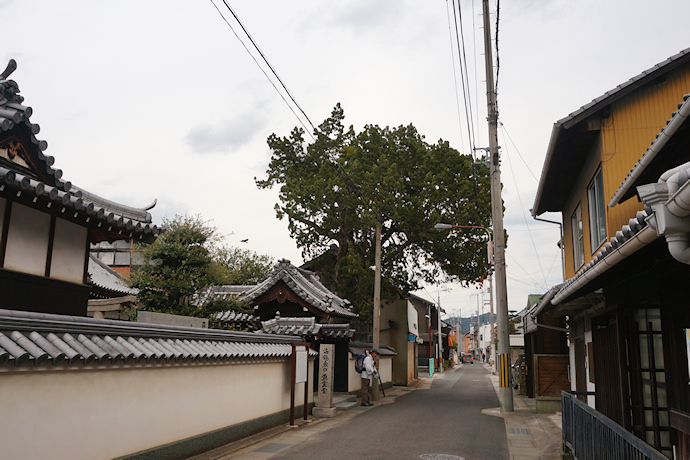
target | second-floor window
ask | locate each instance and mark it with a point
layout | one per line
(597, 211)
(116, 254)
(578, 240)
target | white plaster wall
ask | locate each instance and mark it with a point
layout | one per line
(485, 332)
(386, 369)
(101, 414)
(354, 379)
(27, 240)
(69, 252)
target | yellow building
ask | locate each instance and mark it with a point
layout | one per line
(618, 170)
(592, 150)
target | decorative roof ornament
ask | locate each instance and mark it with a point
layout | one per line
(31, 174)
(9, 88)
(11, 67)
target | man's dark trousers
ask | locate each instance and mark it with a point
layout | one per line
(365, 391)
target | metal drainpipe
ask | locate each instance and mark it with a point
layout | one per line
(560, 245)
(670, 215)
(679, 205)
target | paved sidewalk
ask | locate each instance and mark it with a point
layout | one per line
(531, 436)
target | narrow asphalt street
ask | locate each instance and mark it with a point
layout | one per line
(442, 420)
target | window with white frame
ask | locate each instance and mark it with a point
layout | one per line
(578, 239)
(597, 211)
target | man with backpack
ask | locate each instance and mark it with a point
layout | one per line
(368, 372)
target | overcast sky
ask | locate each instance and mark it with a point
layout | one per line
(141, 100)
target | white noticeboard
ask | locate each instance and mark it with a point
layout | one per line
(301, 368)
(412, 319)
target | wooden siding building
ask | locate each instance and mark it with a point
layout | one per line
(626, 290)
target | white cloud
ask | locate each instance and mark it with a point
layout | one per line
(176, 109)
(226, 136)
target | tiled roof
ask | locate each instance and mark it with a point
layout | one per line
(235, 317)
(543, 302)
(337, 331)
(307, 327)
(566, 146)
(611, 254)
(43, 340)
(52, 191)
(307, 286)
(292, 326)
(14, 114)
(90, 209)
(223, 292)
(104, 277)
(357, 348)
(626, 233)
(621, 90)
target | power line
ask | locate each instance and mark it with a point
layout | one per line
(268, 64)
(536, 283)
(505, 132)
(474, 54)
(462, 57)
(548, 273)
(455, 77)
(498, 61)
(522, 208)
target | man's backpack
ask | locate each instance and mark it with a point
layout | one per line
(359, 363)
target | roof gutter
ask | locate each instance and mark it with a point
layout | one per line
(625, 250)
(658, 144)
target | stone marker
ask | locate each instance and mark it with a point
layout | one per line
(324, 399)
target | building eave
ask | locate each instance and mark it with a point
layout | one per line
(550, 196)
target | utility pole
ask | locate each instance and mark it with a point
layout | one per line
(476, 337)
(377, 304)
(377, 290)
(440, 341)
(505, 391)
(491, 309)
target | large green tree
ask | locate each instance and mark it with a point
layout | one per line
(188, 257)
(336, 188)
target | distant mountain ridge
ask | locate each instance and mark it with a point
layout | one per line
(466, 322)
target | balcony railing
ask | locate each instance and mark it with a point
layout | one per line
(592, 436)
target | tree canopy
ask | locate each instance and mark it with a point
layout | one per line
(188, 257)
(337, 187)
(243, 266)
